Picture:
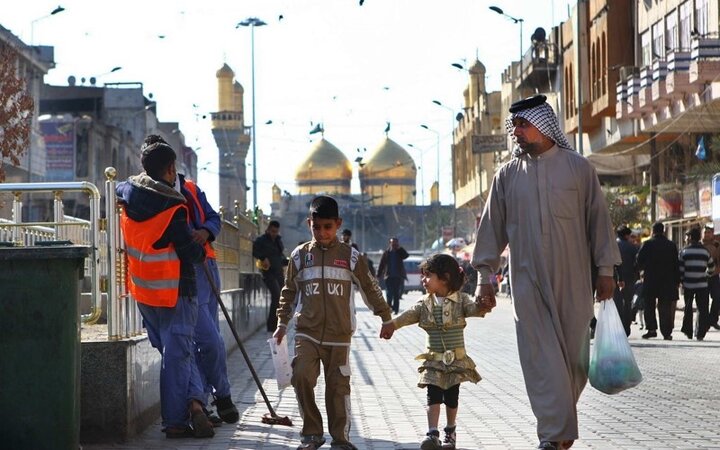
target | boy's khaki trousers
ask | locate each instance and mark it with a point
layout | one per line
(306, 370)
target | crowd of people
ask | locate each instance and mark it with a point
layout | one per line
(653, 273)
(545, 208)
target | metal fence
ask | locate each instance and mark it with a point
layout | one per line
(106, 266)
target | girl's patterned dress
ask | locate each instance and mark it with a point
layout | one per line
(445, 363)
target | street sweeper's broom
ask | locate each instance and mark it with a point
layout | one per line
(270, 418)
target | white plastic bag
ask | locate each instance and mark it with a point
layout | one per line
(281, 362)
(612, 364)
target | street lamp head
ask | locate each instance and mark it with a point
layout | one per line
(250, 22)
(424, 126)
(437, 102)
(57, 10)
(115, 69)
(501, 12)
(457, 66)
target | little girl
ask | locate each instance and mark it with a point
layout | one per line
(441, 313)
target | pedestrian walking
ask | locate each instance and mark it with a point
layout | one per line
(392, 270)
(161, 253)
(268, 250)
(695, 266)
(547, 204)
(713, 246)
(658, 261)
(442, 313)
(322, 277)
(638, 304)
(627, 275)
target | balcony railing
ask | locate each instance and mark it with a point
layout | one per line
(539, 64)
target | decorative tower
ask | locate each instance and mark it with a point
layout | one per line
(232, 138)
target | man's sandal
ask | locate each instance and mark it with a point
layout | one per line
(202, 428)
(179, 433)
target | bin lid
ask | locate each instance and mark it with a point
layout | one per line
(44, 252)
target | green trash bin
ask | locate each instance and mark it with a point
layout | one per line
(40, 346)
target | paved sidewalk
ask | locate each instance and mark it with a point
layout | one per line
(676, 406)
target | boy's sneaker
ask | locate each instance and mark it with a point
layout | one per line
(450, 438)
(311, 442)
(226, 409)
(431, 441)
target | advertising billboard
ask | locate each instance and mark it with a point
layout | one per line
(59, 136)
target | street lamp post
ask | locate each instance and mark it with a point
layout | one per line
(455, 117)
(253, 22)
(437, 144)
(518, 21)
(57, 10)
(422, 198)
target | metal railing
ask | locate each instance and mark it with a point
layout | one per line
(62, 228)
(123, 316)
(106, 267)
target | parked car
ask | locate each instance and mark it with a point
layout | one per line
(414, 277)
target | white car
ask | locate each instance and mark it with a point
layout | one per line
(414, 277)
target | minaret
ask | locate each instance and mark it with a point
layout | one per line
(232, 138)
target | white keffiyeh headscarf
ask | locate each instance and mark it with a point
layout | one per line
(544, 119)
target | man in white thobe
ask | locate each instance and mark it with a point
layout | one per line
(547, 205)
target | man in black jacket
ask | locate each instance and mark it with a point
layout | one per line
(627, 276)
(392, 270)
(268, 250)
(658, 259)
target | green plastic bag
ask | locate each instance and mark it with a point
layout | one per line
(612, 364)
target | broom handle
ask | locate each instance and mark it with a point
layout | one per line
(237, 338)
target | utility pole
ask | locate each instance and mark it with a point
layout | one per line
(654, 175)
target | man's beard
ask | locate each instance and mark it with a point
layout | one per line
(527, 148)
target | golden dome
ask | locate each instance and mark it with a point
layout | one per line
(388, 175)
(326, 169)
(225, 72)
(389, 161)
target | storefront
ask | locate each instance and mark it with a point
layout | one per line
(680, 207)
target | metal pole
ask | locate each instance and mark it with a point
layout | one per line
(438, 187)
(254, 154)
(362, 218)
(422, 196)
(579, 78)
(654, 177)
(520, 79)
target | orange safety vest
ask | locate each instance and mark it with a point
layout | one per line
(153, 274)
(192, 188)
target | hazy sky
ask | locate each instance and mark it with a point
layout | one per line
(351, 67)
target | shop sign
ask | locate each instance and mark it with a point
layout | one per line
(690, 205)
(705, 197)
(669, 202)
(489, 143)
